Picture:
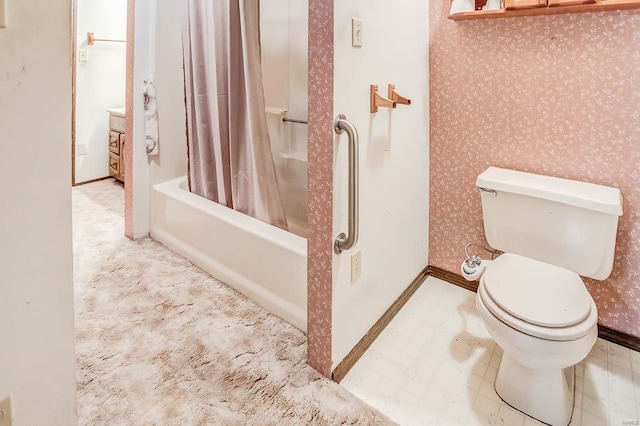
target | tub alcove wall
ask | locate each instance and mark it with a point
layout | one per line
(261, 261)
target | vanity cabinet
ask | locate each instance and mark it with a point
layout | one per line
(117, 140)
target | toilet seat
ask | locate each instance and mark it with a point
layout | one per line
(537, 292)
(537, 299)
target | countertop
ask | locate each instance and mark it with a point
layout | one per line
(119, 112)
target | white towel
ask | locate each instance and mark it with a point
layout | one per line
(150, 117)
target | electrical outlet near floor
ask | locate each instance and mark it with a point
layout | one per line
(5, 412)
(356, 265)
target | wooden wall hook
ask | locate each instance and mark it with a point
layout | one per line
(393, 95)
(377, 101)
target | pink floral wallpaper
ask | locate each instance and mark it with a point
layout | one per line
(320, 184)
(555, 95)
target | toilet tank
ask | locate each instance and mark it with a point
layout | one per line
(563, 222)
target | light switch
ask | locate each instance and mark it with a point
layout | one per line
(83, 55)
(356, 32)
(3, 13)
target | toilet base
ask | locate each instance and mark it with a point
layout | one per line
(546, 395)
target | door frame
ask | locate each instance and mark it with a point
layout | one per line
(140, 66)
(136, 184)
(74, 71)
(74, 64)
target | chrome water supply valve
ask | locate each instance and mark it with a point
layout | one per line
(473, 267)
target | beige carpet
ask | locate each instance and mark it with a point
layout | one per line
(159, 342)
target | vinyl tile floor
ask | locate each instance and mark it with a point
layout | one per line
(435, 364)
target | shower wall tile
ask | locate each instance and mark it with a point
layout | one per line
(555, 95)
(320, 154)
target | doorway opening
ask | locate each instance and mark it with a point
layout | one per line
(98, 90)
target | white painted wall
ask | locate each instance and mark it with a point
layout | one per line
(100, 82)
(37, 356)
(394, 161)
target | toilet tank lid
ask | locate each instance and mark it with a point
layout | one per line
(586, 195)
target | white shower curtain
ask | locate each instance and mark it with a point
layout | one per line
(230, 159)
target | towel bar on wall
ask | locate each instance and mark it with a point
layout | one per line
(91, 39)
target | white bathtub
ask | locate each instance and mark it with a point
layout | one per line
(265, 263)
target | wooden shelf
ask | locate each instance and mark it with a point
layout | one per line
(598, 6)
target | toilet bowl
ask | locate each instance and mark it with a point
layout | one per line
(531, 298)
(536, 373)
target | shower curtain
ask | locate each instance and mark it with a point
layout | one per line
(230, 159)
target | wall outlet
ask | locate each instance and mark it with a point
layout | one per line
(5, 412)
(356, 32)
(83, 54)
(82, 149)
(356, 265)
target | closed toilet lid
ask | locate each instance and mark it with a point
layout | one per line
(537, 292)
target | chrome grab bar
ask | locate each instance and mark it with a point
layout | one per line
(294, 120)
(344, 242)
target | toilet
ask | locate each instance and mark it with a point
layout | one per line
(531, 298)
